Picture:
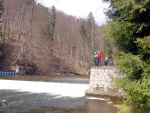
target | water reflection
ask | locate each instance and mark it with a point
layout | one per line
(100, 106)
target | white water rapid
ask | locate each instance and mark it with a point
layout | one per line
(60, 89)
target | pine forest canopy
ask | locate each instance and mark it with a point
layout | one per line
(134, 20)
(129, 28)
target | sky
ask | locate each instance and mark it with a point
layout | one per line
(79, 8)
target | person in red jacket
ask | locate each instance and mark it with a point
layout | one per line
(100, 55)
(111, 63)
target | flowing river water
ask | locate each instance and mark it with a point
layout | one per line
(49, 94)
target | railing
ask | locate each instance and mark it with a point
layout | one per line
(7, 73)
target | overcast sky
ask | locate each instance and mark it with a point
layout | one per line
(79, 8)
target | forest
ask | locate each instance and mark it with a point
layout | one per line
(45, 40)
(129, 29)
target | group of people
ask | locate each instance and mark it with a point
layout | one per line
(98, 56)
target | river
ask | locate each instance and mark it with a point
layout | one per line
(49, 94)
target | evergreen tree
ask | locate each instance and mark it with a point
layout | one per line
(52, 23)
(83, 31)
(90, 33)
(1, 11)
(132, 18)
(90, 28)
(129, 27)
(50, 27)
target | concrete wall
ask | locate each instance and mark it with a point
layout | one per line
(101, 78)
(101, 82)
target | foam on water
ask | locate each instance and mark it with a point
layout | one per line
(97, 98)
(61, 89)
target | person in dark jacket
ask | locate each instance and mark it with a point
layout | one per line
(106, 61)
(95, 59)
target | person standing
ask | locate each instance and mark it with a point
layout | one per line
(106, 61)
(111, 63)
(100, 56)
(95, 59)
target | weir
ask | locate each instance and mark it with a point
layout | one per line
(102, 84)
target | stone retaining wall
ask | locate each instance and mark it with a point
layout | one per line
(101, 82)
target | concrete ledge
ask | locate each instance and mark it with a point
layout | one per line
(104, 67)
(114, 96)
